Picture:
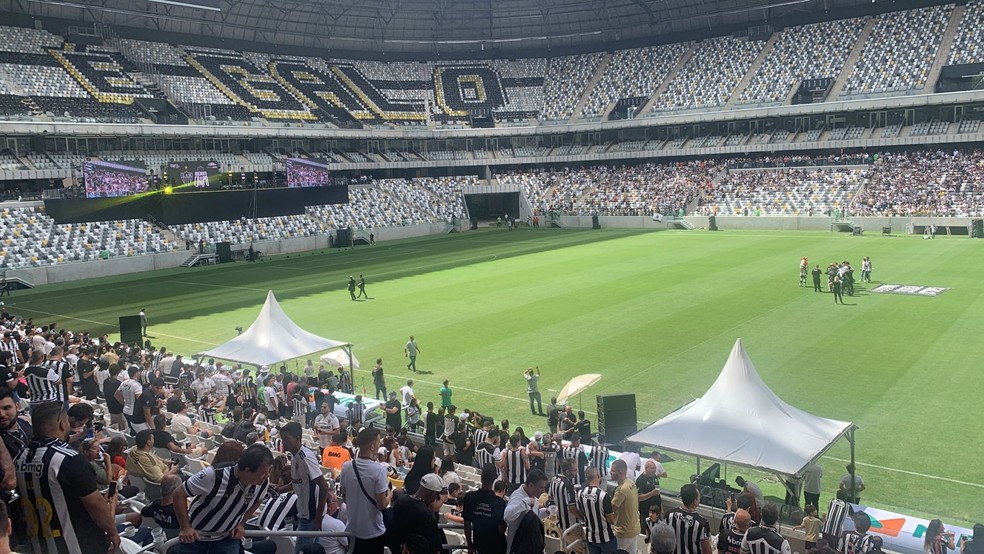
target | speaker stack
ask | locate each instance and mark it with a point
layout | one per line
(616, 417)
(224, 252)
(130, 330)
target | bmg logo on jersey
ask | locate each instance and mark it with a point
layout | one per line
(37, 468)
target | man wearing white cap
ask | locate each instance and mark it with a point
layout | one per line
(414, 513)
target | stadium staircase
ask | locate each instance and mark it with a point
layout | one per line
(852, 60)
(750, 74)
(647, 108)
(16, 283)
(586, 95)
(945, 45)
(199, 259)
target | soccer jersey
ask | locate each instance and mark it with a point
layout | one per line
(304, 470)
(515, 466)
(764, 540)
(52, 479)
(691, 529)
(219, 500)
(562, 493)
(594, 504)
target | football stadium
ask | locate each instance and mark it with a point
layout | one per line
(512, 277)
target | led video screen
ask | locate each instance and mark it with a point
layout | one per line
(192, 176)
(110, 179)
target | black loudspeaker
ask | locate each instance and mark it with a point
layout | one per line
(344, 238)
(130, 331)
(594, 222)
(616, 417)
(712, 223)
(977, 228)
(224, 251)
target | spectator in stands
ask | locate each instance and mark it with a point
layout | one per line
(731, 535)
(937, 540)
(162, 509)
(483, 513)
(224, 497)
(416, 513)
(811, 526)
(596, 506)
(308, 481)
(331, 524)
(691, 529)
(765, 538)
(857, 541)
(975, 545)
(228, 451)
(143, 462)
(521, 504)
(424, 464)
(366, 490)
(625, 502)
(662, 539)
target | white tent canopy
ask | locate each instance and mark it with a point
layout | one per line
(739, 420)
(273, 338)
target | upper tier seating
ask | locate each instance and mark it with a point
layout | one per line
(806, 52)
(710, 77)
(566, 80)
(900, 52)
(968, 44)
(633, 73)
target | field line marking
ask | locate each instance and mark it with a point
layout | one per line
(913, 473)
(63, 316)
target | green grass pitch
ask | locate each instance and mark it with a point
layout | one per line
(655, 312)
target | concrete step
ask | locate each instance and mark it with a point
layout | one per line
(647, 108)
(852, 59)
(750, 74)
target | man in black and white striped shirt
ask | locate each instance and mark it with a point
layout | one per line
(599, 457)
(576, 453)
(44, 378)
(224, 497)
(487, 453)
(515, 464)
(692, 530)
(562, 494)
(857, 541)
(595, 506)
(59, 490)
(833, 524)
(765, 539)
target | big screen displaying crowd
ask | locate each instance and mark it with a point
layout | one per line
(112, 179)
(308, 172)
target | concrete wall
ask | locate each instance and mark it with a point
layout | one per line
(135, 264)
(120, 266)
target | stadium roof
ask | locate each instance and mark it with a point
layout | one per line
(429, 27)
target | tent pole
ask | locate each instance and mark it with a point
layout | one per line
(348, 350)
(854, 486)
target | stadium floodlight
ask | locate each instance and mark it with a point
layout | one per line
(212, 5)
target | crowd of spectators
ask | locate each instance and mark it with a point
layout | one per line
(807, 192)
(929, 182)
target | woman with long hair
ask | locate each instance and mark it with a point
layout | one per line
(447, 472)
(938, 540)
(423, 465)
